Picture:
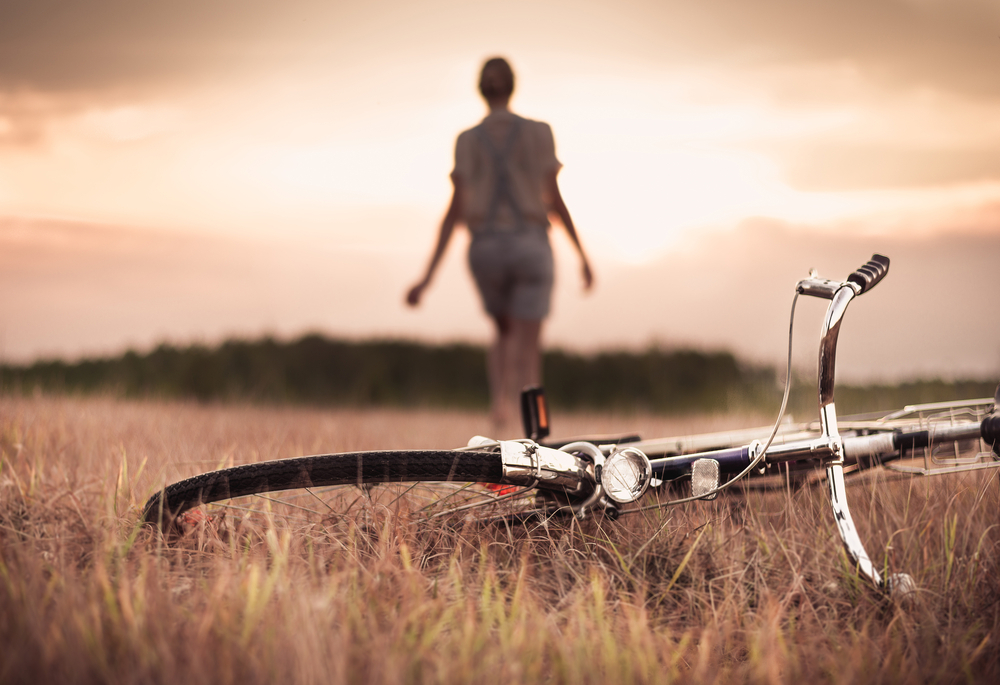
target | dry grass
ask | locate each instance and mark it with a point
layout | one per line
(750, 587)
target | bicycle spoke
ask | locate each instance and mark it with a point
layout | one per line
(228, 505)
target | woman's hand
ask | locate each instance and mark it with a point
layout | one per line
(414, 294)
(588, 276)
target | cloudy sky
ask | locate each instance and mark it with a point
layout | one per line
(192, 170)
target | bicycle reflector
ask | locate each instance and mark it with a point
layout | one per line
(534, 413)
(626, 475)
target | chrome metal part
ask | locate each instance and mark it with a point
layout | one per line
(706, 442)
(901, 587)
(941, 470)
(824, 449)
(705, 479)
(828, 423)
(931, 407)
(528, 463)
(845, 524)
(588, 448)
(756, 455)
(626, 474)
(868, 447)
(582, 509)
(828, 344)
(819, 287)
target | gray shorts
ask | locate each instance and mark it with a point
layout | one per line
(513, 271)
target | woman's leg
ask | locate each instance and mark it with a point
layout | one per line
(515, 362)
(525, 369)
(514, 275)
(498, 364)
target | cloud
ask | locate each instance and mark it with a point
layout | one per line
(51, 45)
(829, 92)
(104, 44)
(952, 47)
(23, 119)
(832, 166)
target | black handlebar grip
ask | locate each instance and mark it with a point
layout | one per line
(990, 430)
(871, 273)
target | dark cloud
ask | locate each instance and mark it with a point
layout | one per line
(52, 45)
(57, 58)
(76, 46)
(93, 44)
(56, 55)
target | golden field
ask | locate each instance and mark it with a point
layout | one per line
(749, 587)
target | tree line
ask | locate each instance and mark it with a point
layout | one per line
(318, 370)
(315, 369)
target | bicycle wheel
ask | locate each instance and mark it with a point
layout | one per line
(335, 490)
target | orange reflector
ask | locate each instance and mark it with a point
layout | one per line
(499, 489)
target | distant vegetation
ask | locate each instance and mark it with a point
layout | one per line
(321, 371)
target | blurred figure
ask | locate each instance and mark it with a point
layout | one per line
(504, 191)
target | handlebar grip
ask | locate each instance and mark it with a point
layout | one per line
(990, 432)
(868, 276)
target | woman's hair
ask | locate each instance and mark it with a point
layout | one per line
(496, 79)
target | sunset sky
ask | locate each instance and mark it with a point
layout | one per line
(191, 170)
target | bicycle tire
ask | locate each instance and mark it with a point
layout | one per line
(305, 474)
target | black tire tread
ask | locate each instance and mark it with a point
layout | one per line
(321, 471)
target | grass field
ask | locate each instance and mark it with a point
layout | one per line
(750, 587)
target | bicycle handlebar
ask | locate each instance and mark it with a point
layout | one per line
(861, 281)
(829, 448)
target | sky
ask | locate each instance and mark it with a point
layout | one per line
(189, 171)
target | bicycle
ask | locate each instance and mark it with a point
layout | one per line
(535, 479)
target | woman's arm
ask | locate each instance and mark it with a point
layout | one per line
(451, 217)
(559, 207)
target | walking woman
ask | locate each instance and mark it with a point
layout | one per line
(505, 191)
